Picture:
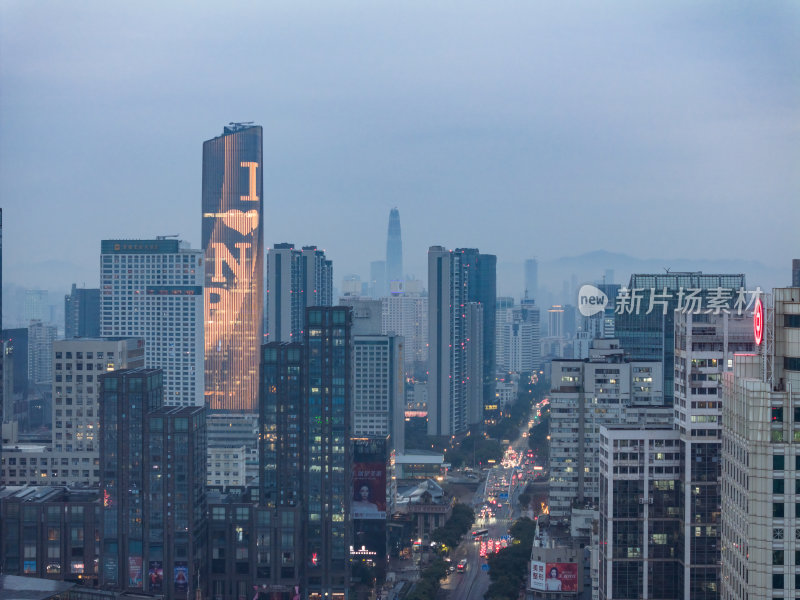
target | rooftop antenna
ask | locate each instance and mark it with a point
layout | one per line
(666, 269)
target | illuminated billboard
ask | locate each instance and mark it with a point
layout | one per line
(233, 246)
(368, 493)
(155, 575)
(554, 577)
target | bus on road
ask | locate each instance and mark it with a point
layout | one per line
(479, 533)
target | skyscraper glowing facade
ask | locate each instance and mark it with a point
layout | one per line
(233, 245)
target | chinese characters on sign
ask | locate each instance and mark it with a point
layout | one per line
(537, 575)
(687, 300)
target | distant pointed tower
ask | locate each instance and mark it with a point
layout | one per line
(394, 249)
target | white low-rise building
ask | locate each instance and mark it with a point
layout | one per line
(227, 466)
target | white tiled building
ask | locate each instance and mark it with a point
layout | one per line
(227, 466)
(379, 388)
(585, 394)
(406, 314)
(517, 339)
(154, 289)
(40, 352)
(761, 460)
(705, 345)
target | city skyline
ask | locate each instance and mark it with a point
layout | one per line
(216, 426)
(629, 118)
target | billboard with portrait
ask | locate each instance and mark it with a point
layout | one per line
(554, 577)
(369, 491)
(155, 575)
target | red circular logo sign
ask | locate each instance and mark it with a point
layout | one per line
(758, 321)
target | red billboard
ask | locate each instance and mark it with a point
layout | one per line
(369, 491)
(554, 577)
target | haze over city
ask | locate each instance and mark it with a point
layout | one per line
(399, 301)
(522, 129)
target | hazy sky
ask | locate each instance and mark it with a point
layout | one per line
(657, 129)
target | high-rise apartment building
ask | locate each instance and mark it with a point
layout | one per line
(379, 388)
(233, 242)
(40, 352)
(394, 248)
(153, 289)
(305, 453)
(452, 363)
(502, 306)
(406, 314)
(175, 519)
(328, 364)
(605, 389)
(640, 504)
(126, 398)
(378, 374)
(760, 539)
(283, 461)
(645, 313)
(82, 313)
(705, 345)
(78, 364)
(518, 348)
(555, 321)
(482, 288)
(296, 279)
(153, 473)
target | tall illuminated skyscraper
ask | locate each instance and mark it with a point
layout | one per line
(233, 242)
(394, 249)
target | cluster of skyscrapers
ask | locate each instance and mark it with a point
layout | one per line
(215, 426)
(237, 430)
(675, 435)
